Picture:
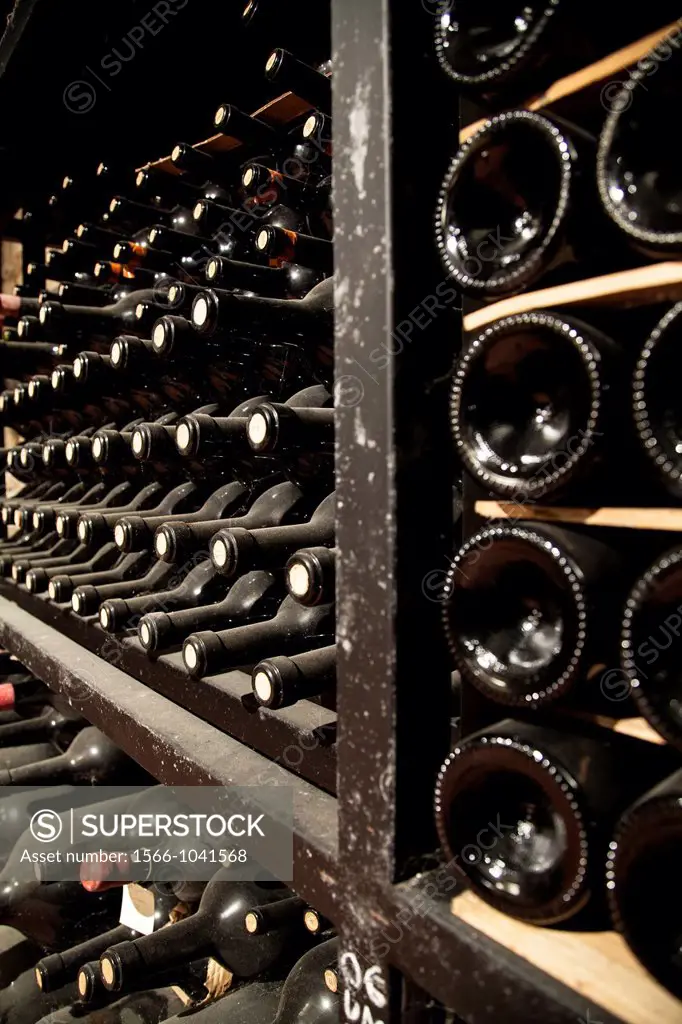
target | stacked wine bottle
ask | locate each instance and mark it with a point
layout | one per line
(548, 814)
(119, 949)
(172, 387)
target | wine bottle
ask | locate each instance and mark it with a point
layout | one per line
(90, 759)
(94, 234)
(293, 75)
(136, 533)
(216, 929)
(284, 915)
(169, 189)
(29, 358)
(307, 993)
(219, 441)
(643, 200)
(649, 640)
(51, 726)
(98, 321)
(643, 849)
(128, 216)
(281, 682)
(155, 441)
(273, 427)
(316, 923)
(271, 186)
(311, 576)
(196, 164)
(21, 693)
(251, 131)
(178, 386)
(225, 224)
(531, 611)
(73, 257)
(273, 282)
(138, 256)
(228, 312)
(29, 328)
(519, 200)
(26, 754)
(151, 1005)
(535, 846)
(317, 131)
(86, 599)
(238, 550)
(533, 404)
(181, 243)
(653, 401)
(282, 246)
(22, 1003)
(121, 276)
(292, 630)
(202, 584)
(254, 597)
(176, 542)
(501, 54)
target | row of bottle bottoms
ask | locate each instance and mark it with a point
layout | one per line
(555, 824)
(548, 405)
(498, 59)
(530, 196)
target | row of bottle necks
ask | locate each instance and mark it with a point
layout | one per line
(219, 203)
(232, 589)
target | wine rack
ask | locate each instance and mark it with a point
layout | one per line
(414, 945)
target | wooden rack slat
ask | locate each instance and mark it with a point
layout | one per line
(600, 71)
(597, 964)
(626, 518)
(657, 282)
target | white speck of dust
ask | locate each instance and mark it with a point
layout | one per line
(359, 133)
(360, 432)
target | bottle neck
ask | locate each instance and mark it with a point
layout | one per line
(126, 964)
(292, 627)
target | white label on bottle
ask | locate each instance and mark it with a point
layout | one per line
(137, 908)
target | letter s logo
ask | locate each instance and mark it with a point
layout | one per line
(46, 826)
